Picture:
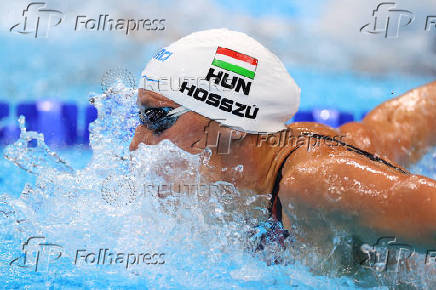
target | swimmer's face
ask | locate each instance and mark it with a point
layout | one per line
(183, 131)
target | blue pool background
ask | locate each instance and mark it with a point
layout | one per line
(320, 43)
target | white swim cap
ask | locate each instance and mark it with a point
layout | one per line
(226, 76)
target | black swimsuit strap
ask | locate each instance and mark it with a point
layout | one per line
(275, 208)
(357, 150)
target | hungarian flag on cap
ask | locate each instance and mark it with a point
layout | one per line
(239, 63)
(251, 89)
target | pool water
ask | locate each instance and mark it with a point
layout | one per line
(61, 212)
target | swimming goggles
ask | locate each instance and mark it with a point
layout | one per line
(159, 119)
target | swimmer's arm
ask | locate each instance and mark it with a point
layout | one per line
(400, 129)
(364, 195)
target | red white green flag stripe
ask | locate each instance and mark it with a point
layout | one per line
(236, 62)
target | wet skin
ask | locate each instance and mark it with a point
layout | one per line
(366, 196)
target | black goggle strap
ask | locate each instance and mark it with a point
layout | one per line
(178, 112)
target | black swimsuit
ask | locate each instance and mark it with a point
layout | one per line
(272, 230)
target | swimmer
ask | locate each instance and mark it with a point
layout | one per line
(357, 179)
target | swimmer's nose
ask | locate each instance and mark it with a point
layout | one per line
(139, 137)
(133, 145)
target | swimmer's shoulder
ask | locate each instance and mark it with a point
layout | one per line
(310, 142)
(300, 128)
